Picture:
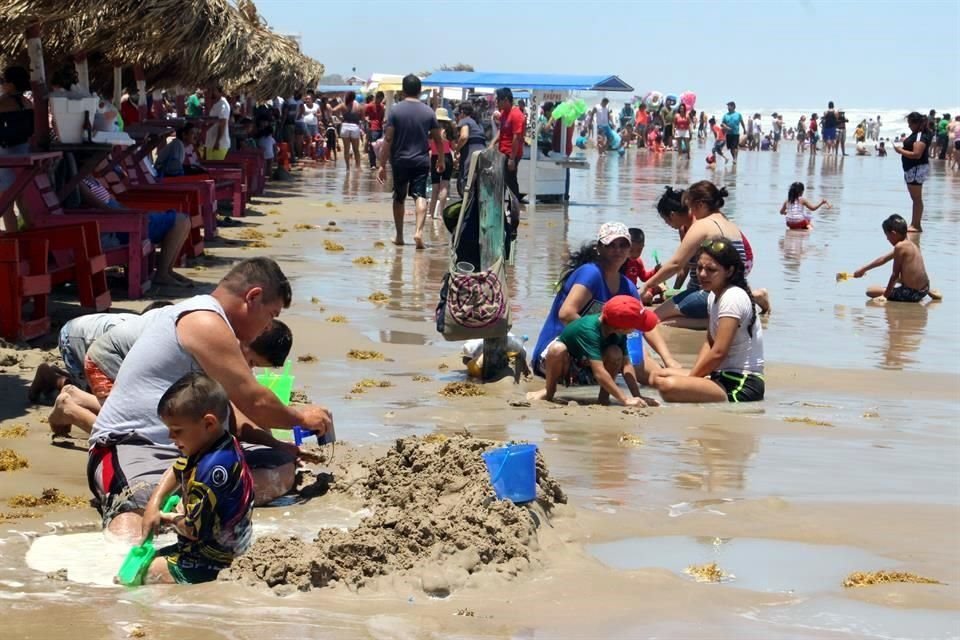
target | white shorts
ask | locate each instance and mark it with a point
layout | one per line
(350, 131)
(681, 133)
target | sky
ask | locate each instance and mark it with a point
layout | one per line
(788, 53)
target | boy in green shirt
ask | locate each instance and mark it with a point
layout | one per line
(598, 342)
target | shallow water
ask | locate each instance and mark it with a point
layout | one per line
(816, 320)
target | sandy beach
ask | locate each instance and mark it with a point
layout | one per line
(850, 464)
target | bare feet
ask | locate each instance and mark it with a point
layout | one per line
(398, 241)
(935, 295)
(47, 379)
(419, 242)
(537, 395)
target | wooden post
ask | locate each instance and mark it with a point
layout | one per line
(38, 85)
(490, 168)
(83, 71)
(157, 111)
(117, 85)
(141, 79)
(181, 102)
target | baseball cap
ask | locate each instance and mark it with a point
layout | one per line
(610, 231)
(626, 312)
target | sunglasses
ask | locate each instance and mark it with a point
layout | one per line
(714, 245)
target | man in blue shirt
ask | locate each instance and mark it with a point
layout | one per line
(732, 123)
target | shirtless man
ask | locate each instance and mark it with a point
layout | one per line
(909, 281)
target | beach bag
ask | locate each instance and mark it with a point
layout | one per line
(472, 304)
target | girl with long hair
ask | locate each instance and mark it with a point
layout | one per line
(797, 209)
(729, 367)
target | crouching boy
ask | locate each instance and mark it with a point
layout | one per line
(213, 522)
(598, 343)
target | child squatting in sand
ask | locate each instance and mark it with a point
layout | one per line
(213, 523)
(909, 281)
(599, 342)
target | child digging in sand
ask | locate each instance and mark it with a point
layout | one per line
(909, 281)
(213, 524)
(599, 342)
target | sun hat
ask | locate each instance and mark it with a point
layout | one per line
(442, 115)
(610, 231)
(627, 312)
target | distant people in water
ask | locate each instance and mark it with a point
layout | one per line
(909, 281)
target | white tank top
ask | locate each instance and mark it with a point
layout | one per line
(796, 212)
(154, 363)
(603, 116)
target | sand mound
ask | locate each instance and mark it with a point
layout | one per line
(435, 520)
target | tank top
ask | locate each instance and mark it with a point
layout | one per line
(796, 212)
(739, 244)
(310, 114)
(16, 127)
(155, 362)
(446, 147)
(351, 115)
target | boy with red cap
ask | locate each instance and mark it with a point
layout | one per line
(599, 342)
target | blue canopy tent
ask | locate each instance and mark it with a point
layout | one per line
(533, 82)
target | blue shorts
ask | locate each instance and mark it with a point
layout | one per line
(69, 351)
(692, 303)
(160, 224)
(829, 134)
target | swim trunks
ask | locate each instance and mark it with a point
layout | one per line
(917, 174)
(908, 294)
(798, 224)
(733, 142)
(740, 387)
(100, 383)
(409, 181)
(187, 568)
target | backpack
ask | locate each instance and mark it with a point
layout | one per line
(474, 304)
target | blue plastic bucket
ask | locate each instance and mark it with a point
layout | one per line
(635, 347)
(513, 472)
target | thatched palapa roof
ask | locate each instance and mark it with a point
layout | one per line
(177, 43)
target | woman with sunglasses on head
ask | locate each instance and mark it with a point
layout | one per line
(696, 214)
(729, 367)
(592, 276)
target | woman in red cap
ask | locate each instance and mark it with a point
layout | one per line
(598, 343)
(730, 365)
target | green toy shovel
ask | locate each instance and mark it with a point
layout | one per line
(138, 560)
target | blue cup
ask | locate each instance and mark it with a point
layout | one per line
(635, 347)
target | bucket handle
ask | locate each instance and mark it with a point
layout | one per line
(503, 464)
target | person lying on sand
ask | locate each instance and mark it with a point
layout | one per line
(598, 342)
(909, 281)
(213, 521)
(75, 407)
(76, 337)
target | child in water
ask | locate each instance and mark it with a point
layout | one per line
(908, 280)
(797, 209)
(215, 485)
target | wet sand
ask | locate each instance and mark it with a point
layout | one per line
(873, 487)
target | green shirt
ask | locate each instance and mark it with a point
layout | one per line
(194, 110)
(584, 339)
(942, 127)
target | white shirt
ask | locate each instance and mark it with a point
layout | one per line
(746, 351)
(310, 113)
(221, 110)
(603, 116)
(756, 127)
(266, 145)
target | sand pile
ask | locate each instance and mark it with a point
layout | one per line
(435, 521)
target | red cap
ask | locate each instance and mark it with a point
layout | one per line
(626, 312)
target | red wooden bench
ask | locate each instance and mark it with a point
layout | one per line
(24, 287)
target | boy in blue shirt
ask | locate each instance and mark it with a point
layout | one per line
(213, 522)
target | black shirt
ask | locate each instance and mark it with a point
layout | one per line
(926, 138)
(829, 120)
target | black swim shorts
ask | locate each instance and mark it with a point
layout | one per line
(740, 387)
(733, 142)
(410, 181)
(908, 294)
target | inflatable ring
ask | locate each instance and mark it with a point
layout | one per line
(653, 99)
